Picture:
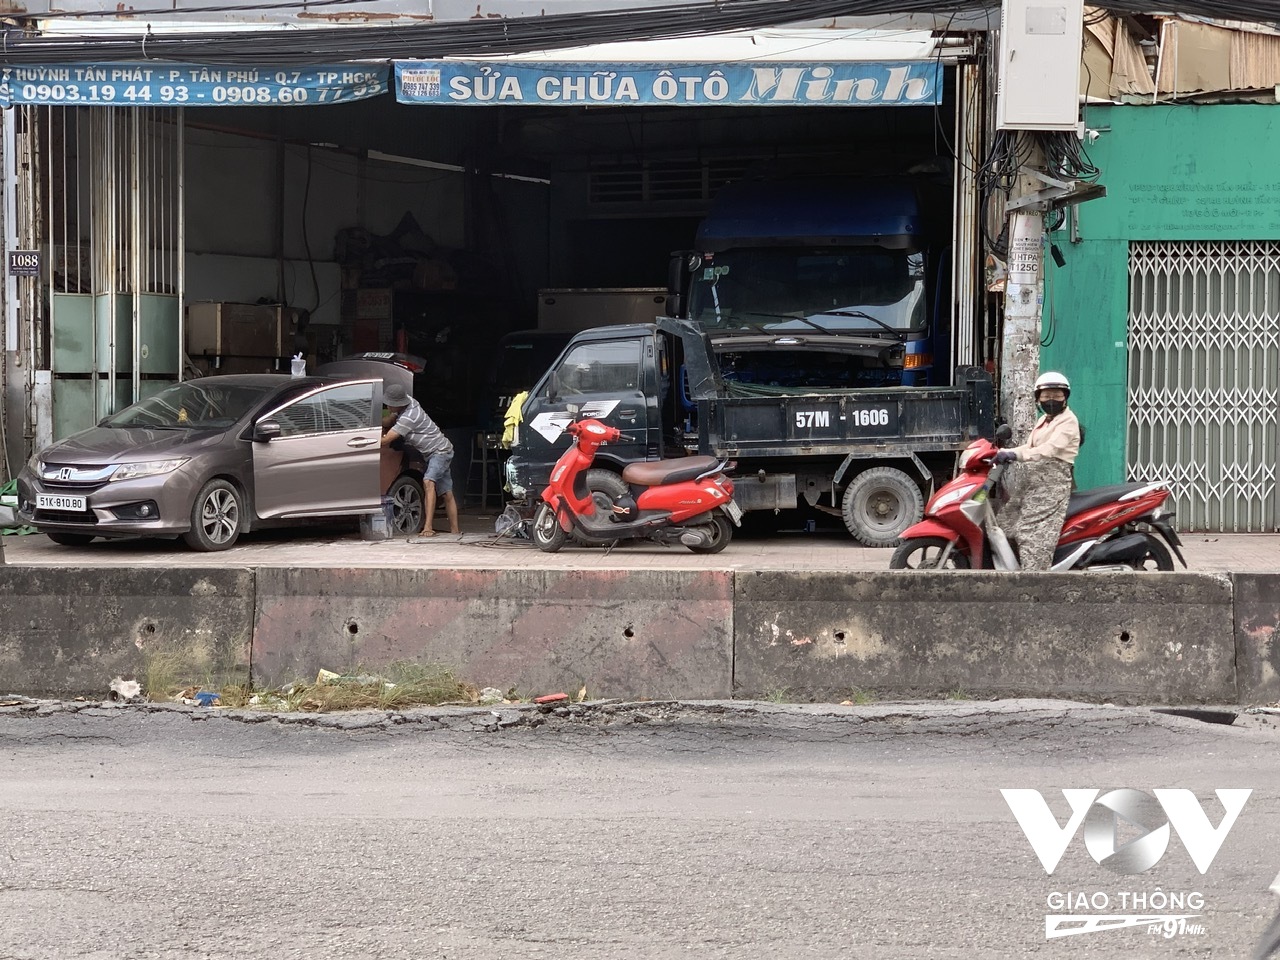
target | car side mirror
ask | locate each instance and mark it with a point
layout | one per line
(553, 387)
(266, 430)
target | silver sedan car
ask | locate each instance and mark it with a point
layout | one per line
(211, 458)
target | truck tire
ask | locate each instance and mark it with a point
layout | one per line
(605, 486)
(879, 504)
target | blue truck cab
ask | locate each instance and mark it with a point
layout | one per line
(822, 281)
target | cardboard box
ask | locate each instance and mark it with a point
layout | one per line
(240, 330)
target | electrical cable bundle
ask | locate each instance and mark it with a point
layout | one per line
(1253, 11)
(998, 175)
(1066, 159)
(493, 35)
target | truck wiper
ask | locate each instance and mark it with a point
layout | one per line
(897, 334)
(788, 316)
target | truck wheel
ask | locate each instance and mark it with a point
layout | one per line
(548, 535)
(605, 487)
(879, 504)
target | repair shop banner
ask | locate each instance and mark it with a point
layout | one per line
(187, 85)
(670, 84)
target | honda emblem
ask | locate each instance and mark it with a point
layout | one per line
(64, 473)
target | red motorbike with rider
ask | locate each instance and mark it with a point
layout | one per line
(686, 500)
(1125, 526)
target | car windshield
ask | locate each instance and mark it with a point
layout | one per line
(834, 290)
(194, 405)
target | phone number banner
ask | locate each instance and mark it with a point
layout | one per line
(188, 85)
(671, 84)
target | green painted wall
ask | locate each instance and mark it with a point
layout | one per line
(1172, 173)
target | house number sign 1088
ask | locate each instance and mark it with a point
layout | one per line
(24, 263)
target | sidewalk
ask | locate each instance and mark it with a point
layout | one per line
(479, 548)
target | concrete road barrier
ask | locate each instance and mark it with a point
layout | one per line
(1172, 638)
(623, 633)
(1114, 637)
(67, 631)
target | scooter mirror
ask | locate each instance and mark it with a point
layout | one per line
(1004, 433)
(573, 409)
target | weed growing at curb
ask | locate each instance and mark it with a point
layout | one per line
(400, 686)
(160, 675)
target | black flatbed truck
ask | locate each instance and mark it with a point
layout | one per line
(869, 455)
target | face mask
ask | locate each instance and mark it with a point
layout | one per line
(1053, 407)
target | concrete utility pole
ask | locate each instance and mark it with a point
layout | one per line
(1024, 300)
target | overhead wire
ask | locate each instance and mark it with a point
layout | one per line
(1259, 11)
(487, 36)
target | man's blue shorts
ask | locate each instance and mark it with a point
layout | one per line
(438, 472)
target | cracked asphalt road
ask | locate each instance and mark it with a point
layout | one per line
(637, 830)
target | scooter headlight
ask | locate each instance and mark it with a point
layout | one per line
(951, 496)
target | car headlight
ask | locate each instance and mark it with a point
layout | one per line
(36, 465)
(147, 468)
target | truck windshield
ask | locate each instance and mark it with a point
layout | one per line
(796, 288)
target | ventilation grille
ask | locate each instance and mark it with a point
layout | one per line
(658, 182)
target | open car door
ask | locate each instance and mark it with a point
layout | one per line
(319, 453)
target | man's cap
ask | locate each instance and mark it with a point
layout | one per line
(395, 396)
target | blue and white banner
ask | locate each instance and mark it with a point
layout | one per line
(758, 84)
(188, 85)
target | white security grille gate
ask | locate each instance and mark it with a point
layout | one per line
(101, 196)
(1204, 378)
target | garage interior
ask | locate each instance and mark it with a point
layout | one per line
(379, 225)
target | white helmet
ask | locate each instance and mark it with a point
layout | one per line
(1050, 380)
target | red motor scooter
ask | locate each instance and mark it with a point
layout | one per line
(1107, 528)
(687, 500)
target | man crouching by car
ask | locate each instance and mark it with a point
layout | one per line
(419, 431)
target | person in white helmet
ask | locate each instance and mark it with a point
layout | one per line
(1035, 512)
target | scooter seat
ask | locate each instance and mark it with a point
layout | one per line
(1098, 496)
(651, 473)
